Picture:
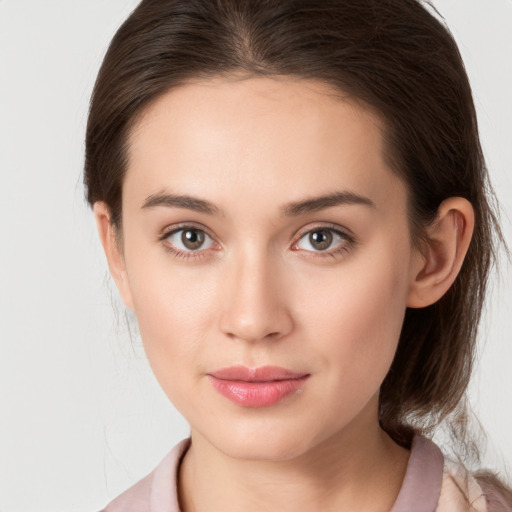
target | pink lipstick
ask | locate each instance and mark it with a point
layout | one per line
(256, 387)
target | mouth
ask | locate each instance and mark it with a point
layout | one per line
(257, 387)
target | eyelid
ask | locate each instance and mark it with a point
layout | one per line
(181, 253)
(184, 225)
(328, 226)
(348, 242)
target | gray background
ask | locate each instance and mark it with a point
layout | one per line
(81, 416)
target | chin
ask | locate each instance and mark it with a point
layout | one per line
(264, 441)
(275, 450)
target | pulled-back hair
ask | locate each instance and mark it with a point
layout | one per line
(396, 57)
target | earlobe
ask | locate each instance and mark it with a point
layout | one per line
(113, 252)
(436, 268)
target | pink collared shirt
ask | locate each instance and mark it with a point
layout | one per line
(431, 484)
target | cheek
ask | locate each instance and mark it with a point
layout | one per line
(356, 319)
(174, 313)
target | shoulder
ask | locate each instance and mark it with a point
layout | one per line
(498, 495)
(136, 498)
(462, 491)
(434, 483)
(157, 491)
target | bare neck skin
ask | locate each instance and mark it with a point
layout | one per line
(358, 469)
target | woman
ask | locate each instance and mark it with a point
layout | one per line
(293, 200)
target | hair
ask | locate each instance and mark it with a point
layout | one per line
(396, 57)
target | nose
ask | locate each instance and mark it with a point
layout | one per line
(253, 301)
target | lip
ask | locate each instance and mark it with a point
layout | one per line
(256, 387)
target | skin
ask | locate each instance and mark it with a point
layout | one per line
(259, 292)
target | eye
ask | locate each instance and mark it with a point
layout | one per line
(188, 239)
(323, 239)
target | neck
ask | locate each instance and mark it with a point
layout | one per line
(358, 469)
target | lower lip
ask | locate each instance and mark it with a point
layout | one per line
(257, 394)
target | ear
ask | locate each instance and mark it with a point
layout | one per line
(113, 251)
(436, 267)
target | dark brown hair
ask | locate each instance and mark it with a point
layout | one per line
(394, 56)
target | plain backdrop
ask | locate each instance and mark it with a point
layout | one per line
(81, 416)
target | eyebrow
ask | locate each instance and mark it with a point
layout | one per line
(181, 201)
(319, 203)
(293, 209)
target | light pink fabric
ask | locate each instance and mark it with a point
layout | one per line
(430, 485)
(423, 479)
(156, 492)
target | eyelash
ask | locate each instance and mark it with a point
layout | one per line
(348, 242)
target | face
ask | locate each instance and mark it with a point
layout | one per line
(261, 227)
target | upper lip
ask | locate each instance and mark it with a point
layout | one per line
(261, 374)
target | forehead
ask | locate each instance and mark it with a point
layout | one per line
(258, 135)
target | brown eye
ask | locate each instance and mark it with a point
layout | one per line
(192, 238)
(188, 239)
(327, 240)
(320, 239)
